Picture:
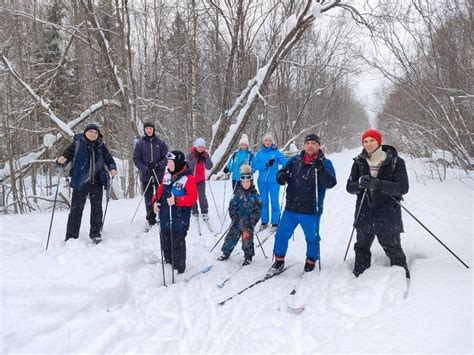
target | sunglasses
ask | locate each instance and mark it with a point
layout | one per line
(170, 156)
(246, 177)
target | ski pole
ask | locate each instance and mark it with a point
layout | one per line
(214, 200)
(223, 235)
(60, 171)
(107, 202)
(261, 246)
(141, 198)
(223, 200)
(171, 240)
(227, 210)
(355, 221)
(434, 236)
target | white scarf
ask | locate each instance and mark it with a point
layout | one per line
(375, 160)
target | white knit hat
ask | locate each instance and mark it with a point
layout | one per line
(244, 139)
(269, 136)
(200, 142)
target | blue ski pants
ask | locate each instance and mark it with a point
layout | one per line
(310, 225)
(272, 189)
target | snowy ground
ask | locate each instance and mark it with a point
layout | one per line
(79, 297)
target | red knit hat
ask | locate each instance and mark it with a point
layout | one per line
(373, 133)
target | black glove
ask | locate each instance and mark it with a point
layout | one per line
(318, 164)
(226, 170)
(151, 168)
(368, 182)
(270, 162)
(283, 177)
(201, 158)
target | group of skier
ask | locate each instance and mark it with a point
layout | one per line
(173, 183)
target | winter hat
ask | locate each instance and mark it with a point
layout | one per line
(93, 126)
(245, 169)
(373, 133)
(148, 124)
(179, 160)
(244, 139)
(312, 137)
(269, 136)
(200, 142)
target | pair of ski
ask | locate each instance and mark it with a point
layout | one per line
(295, 303)
(208, 225)
(271, 232)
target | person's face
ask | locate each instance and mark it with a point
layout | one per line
(92, 135)
(200, 149)
(149, 131)
(246, 184)
(170, 165)
(370, 144)
(267, 142)
(311, 147)
(244, 146)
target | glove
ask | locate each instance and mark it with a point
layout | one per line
(226, 170)
(368, 182)
(270, 162)
(151, 169)
(318, 164)
(283, 177)
(201, 158)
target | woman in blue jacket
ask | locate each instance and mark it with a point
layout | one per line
(242, 156)
(266, 161)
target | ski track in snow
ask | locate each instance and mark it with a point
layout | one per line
(81, 297)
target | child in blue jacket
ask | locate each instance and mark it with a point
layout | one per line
(244, 210)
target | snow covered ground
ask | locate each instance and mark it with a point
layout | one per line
(82, 298)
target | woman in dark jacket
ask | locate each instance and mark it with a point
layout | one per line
(89, 157)
(378, 176)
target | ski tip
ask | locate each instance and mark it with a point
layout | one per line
(296, 310)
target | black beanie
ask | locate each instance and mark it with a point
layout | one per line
(93, 126)
(149, 124)
(312, 137)
(179, 160)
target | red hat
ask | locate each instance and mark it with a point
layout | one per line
(373, 133)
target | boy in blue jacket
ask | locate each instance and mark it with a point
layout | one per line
(244, 210)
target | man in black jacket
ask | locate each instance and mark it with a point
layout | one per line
(149, 156)
(308, 175)
(378, 175)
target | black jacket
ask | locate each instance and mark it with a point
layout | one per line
(300, 193)
(379, 213)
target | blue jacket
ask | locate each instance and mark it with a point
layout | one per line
(89, 160)
(300, 193)
(150, 149)
(240, 157)
(262, 157)
(245, 208)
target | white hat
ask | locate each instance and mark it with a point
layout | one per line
(244, 139)
(269, 136)
(200, 142)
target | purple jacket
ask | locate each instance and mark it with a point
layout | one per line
(150, 149)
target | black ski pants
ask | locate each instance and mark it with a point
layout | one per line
(390, 243)
(203, 204)
(179, 248)
(94, 191)
(150, 215)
